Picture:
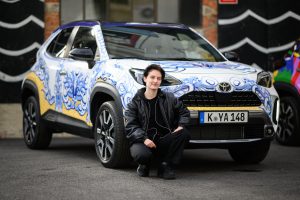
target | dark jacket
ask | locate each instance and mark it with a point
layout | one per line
(137, 114)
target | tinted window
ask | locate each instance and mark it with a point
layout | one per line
(85, 39)
(157, 43)
(58, 46)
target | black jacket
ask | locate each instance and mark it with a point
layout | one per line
(137, 114)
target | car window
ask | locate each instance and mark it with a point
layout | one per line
(159, 43)
(58, 45)
(85, 38)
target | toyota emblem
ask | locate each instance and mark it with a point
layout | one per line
(224, 87)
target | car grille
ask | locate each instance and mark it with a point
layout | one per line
(228, 132)
(215, 99)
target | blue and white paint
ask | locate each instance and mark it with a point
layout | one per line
(73, 90)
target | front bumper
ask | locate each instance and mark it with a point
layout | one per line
(258, 127)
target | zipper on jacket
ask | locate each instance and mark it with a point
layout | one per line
(164, 114)
(147, 116)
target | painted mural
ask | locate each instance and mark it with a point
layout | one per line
(263, 29)
(22, 34)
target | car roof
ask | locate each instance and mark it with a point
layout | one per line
(160, 24)
(125, 24)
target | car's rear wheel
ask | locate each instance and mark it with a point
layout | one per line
(251, 153)
(288, 124)
(110, 142)
(35, 132)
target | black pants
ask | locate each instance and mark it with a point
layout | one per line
(168, 149)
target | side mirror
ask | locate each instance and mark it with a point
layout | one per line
(232, 56)
(84, 54)
(278, 64)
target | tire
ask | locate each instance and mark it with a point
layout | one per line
(251, 153)
(110, 142)
(288, 124)
(35, 132)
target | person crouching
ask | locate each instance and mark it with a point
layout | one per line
(156, 126)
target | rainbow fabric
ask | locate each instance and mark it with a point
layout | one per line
(290, 73)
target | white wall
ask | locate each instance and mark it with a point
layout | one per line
(168, 11)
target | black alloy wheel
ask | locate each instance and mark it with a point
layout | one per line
(288, 124)
(35, 132)
(110, 142)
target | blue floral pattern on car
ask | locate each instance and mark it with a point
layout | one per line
(210, 84)
(58, 96)
(114, 75)
(42, 72)
(183, 65)
(75, 86)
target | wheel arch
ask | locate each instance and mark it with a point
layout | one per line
(285, 89)
(28, 89)
(101, 93)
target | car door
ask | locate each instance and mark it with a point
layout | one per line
(75, 76)
(54, 60)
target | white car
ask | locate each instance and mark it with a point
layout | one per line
(87, 71)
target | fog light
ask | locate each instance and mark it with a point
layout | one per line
(269, 131)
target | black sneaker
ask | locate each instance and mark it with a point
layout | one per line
(165, 171)
(143, 170)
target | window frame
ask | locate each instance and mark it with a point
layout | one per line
(74, 30)
(71, 42)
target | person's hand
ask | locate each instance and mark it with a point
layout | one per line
(149, 143)
(179, 128)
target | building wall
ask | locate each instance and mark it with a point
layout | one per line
(259, 31)
(52, 16)
(209, 20)
(22, 28)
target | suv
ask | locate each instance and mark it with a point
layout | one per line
(287, 83)
(86, 73)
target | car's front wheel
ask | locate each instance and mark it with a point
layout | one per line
(110, 142)
(288, 124)
(251, 153)
(36, 134)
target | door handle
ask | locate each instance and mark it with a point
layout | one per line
(62, 72)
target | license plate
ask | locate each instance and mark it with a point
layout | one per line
(223, 117)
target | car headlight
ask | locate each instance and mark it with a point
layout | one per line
(264, 79)
(138, 75)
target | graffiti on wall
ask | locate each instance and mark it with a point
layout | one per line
(22, 32)
(265, 30)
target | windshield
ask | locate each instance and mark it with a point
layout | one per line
(157, 43)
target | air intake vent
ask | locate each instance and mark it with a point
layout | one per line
(215, 99)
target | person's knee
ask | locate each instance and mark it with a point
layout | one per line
(184, 134)
(141, 155)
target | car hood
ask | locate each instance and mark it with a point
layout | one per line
(194, 67)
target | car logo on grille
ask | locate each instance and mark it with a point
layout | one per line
(224, 87)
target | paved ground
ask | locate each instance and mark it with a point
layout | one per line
(11, 121)
(69, 170)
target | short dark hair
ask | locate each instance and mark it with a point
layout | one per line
(154, 67)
